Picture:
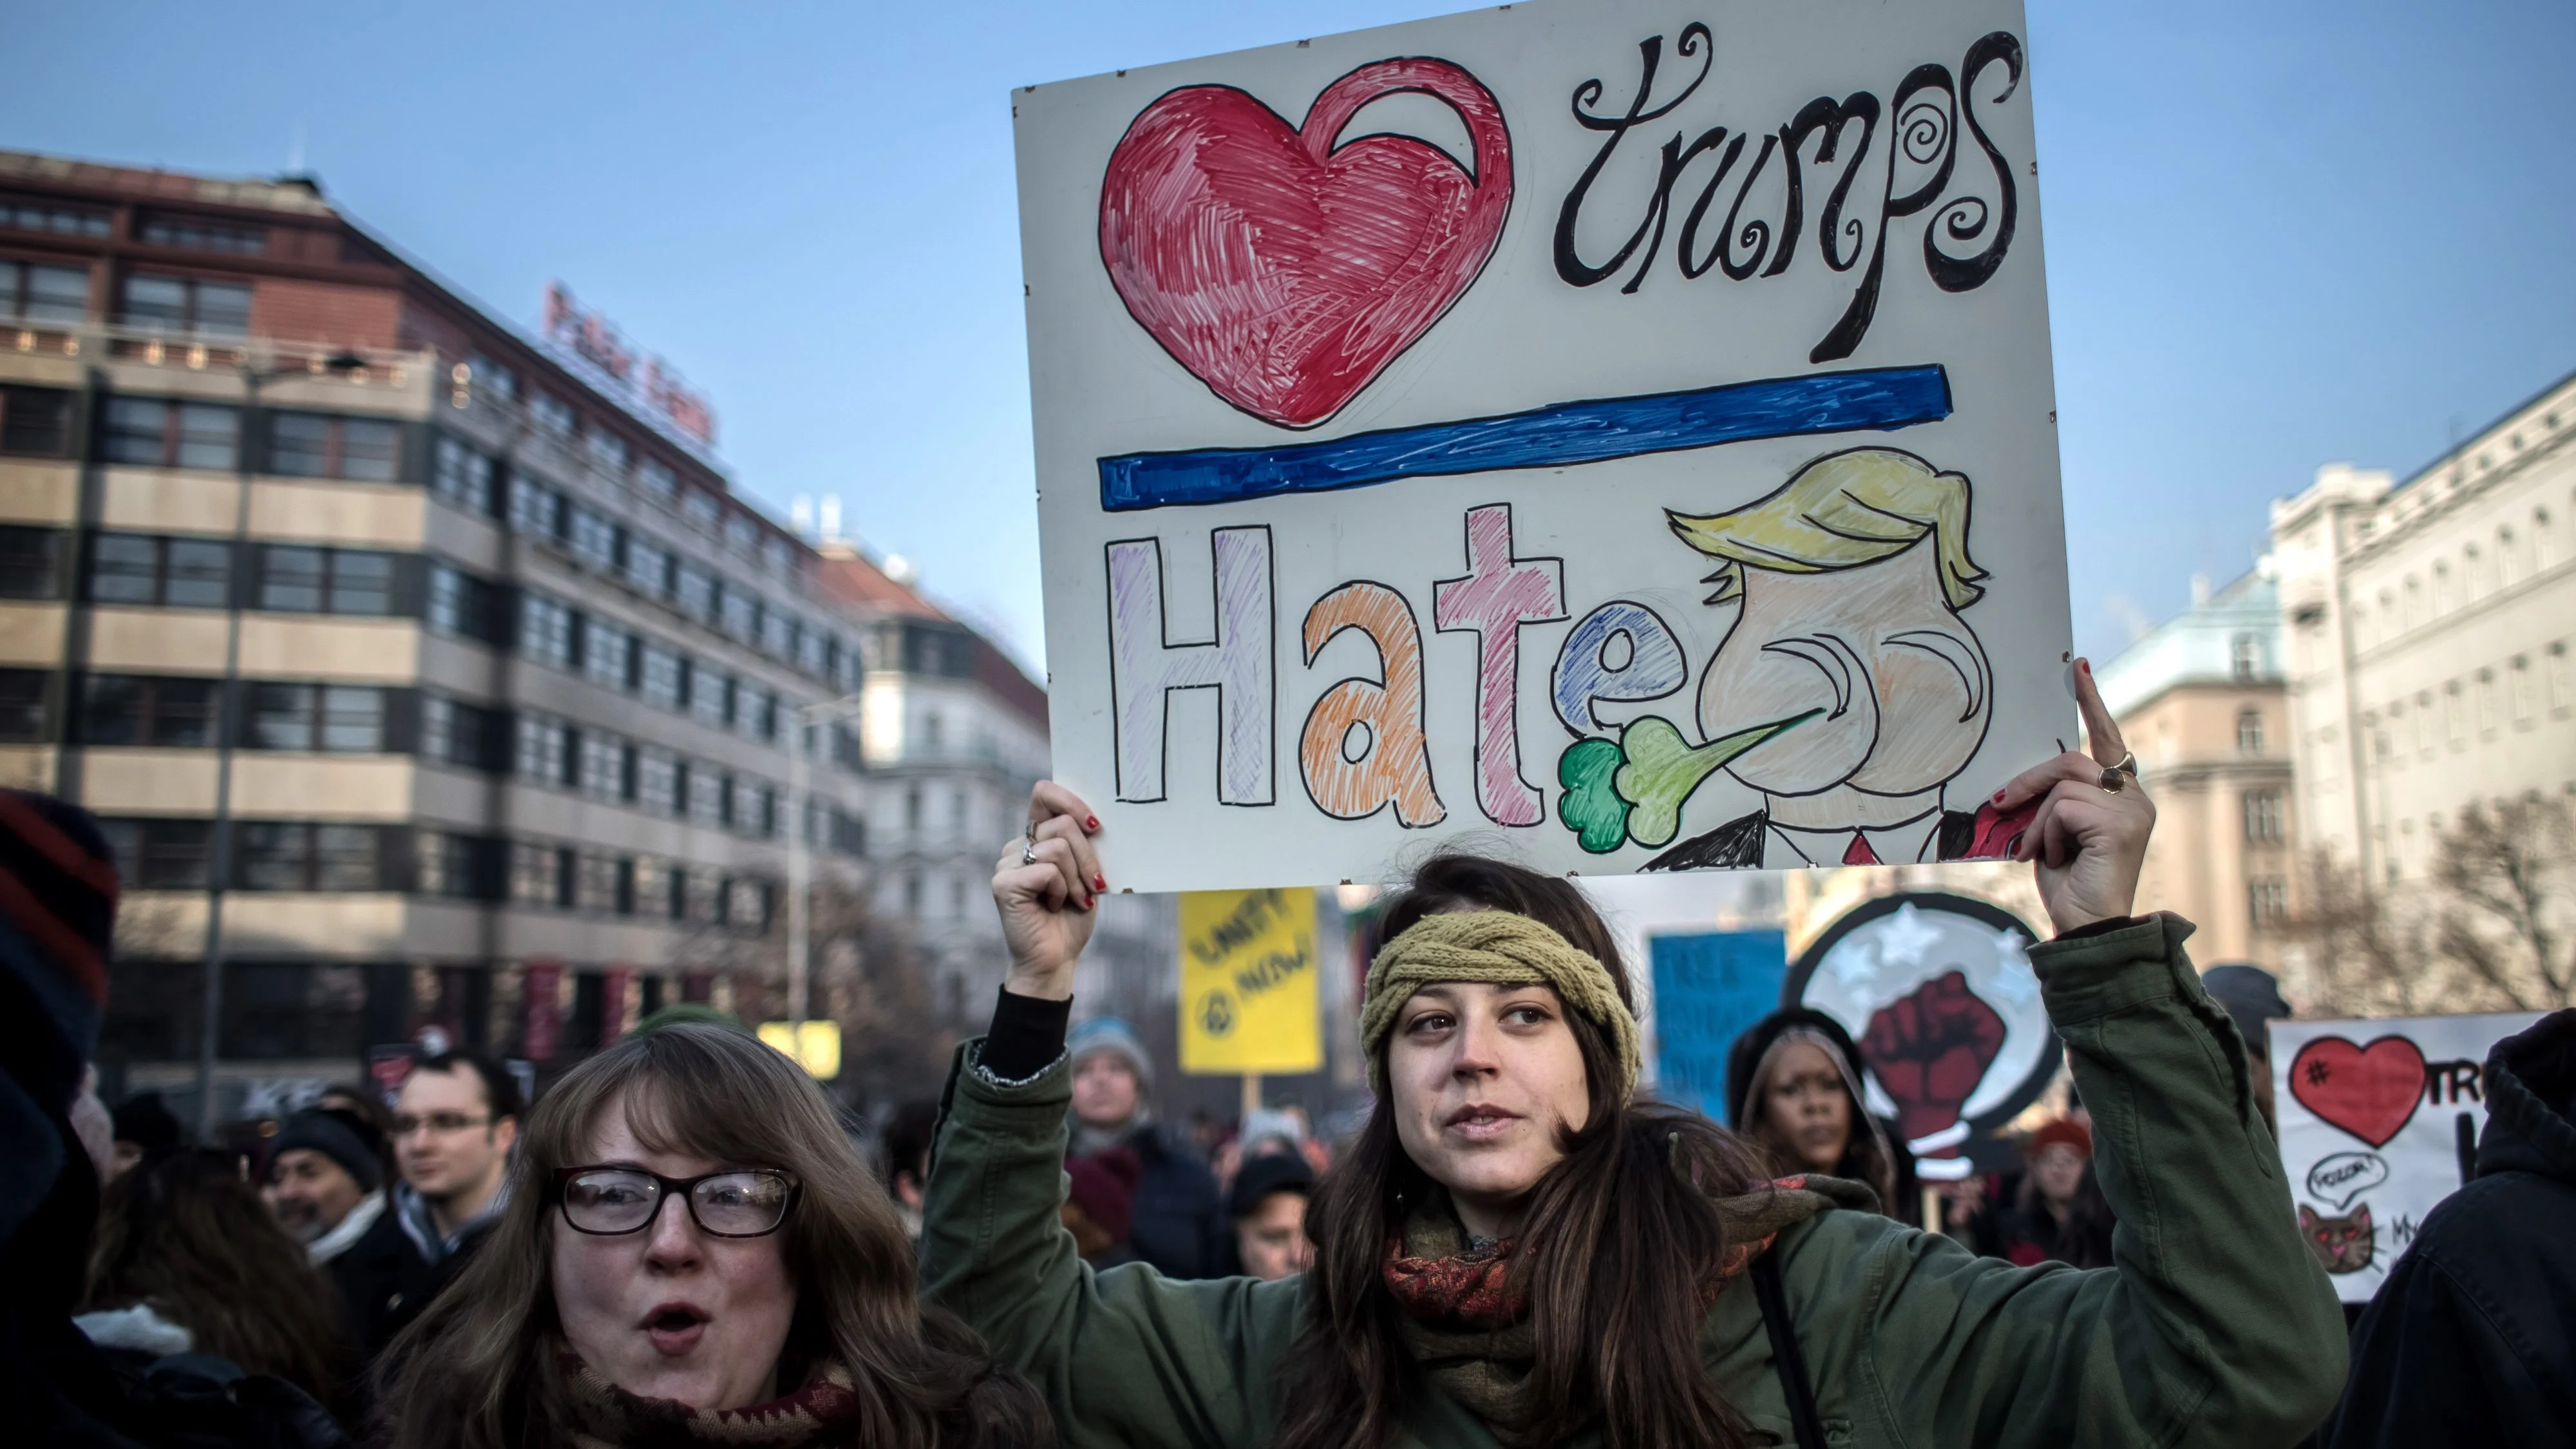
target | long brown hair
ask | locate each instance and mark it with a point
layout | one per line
(1623, 1238)
(186, 1234)
(472, 1371)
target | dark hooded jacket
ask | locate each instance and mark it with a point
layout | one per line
(2472, 1340)
(1892, 1174)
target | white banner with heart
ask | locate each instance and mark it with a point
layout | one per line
(1626, 428)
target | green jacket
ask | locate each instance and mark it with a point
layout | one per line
(2215, 1327)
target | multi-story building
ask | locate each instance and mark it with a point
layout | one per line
(2429, 626)
(2201, 701)
(506, 674)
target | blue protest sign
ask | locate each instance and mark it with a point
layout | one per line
(1710, 986)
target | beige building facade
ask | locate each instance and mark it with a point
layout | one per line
(518, 674)
(2201, 701)
(2429, 626)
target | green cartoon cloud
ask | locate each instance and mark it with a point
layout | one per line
(1590, 806)
(1634, 789)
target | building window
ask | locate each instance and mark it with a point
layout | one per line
(2455, 715)
(164, 855)
(2562, 680)
(155, 303)
(456, 733)
(657, 780)
(2249, 732)
(2526, 695)
(648, 566)
(593, 538)
(707, 795)
(607, 653)
(535, 509)
(31, 563)
(657, 479)
(755, 712)
(59, 220)
(737, 613)
(660, 674)
(554, 414)
(2267, 902)
(537, 874)
(694, 589)
(608, 452)
(2488, 706)
(545, 630)
(2544, 540)
(495, 376)
(294, 579)
(316, 445)
(155, 432)
(138, 709)
(603, 765)
(201, 235)
(461, 606)
(463, 477)
(2441, 589)
(849, 834)
(35, 422)
(305, 856)
(42, 295)
(135, 568)
(24, 719)
(700, 508)
(2473, 575)
(2263, 817)
(710, 696)
(450, 864)
(545, 750)
(2414, 602)
(2245, 658)
(334, 718)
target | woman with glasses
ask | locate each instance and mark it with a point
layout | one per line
(691, 1250)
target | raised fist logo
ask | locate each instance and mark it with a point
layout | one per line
(1930, 1049)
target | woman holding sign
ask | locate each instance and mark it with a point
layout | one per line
(1518, 1252)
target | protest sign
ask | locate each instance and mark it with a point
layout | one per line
(2378, 1121)
(1627, 427)
(1938, 992)
(1709, 987)
(1249, 996)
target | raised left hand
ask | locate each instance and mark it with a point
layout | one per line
(2088, 841)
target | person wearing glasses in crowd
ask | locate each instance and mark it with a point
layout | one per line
(455, 1121)
(692, 1251)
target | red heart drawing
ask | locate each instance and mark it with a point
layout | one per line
(2369, 1092)
(1283, 271)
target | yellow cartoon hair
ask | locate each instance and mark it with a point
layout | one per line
(1841, 512)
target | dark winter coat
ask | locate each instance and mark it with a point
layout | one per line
(1179, 1222)
(384, 1281)
(2217, 1328)
(2472, 1340)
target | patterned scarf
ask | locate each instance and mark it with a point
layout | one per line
(824, 1414)
(1467, 1324)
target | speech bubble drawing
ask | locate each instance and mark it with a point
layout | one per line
(2339, 1177)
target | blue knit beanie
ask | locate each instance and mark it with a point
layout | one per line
(1109, 1034)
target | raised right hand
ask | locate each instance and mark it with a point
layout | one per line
(1048, 903)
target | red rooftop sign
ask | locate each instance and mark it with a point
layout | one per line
(646, 380)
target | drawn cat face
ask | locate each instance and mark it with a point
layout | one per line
(2342, 1244)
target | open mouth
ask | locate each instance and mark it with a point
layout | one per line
(675, 1328)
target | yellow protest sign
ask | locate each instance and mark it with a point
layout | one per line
(817, 1049)
(1249, 1000)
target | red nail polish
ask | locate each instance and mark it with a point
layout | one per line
(1999, 795)
(1100, 882)
(2084, 664)
(1091, 822)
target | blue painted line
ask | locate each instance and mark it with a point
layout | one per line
(1557, 436)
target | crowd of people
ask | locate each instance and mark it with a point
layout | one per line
(681, 1240)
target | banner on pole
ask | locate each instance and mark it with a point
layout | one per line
(2376, 1118)
(1250, 1001)
(1629, 427)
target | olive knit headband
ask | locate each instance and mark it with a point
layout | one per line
(1501, 949)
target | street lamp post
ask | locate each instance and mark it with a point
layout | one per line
(800, 914)
(219, 845)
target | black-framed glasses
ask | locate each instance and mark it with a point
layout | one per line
(742, 1202)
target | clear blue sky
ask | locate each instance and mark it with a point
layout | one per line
(2278, 234)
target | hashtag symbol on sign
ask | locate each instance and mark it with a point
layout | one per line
(2317, 1073)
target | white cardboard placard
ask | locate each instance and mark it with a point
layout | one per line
(1626, 427)
(2372, 1115)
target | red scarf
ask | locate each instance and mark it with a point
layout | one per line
(1473, 1289)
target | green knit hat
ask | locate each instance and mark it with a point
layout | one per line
(1502, 949)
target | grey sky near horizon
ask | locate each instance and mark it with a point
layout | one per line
(2277, 235)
